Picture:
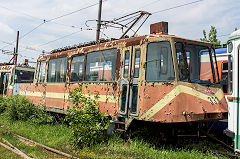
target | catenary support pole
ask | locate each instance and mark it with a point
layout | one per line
(99, 20)
(16, 53)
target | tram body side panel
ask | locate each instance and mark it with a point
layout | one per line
(181, 103)
(57, 95)
(36, 93)
(233, 98)
(108, 95)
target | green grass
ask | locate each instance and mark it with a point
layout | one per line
(59, 136)
(138, 149)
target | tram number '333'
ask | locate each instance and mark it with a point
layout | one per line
(213, 100)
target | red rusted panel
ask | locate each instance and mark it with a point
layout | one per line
(56, 88)
(55, 103)
(185, 108)
(37, 100)
(172, 103)
(151, 94)
(109, 108)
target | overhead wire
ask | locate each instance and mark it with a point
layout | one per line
(149, 4)
(74, 11)
(62, 37)
(21, 37)
(51, 20)
(86, 8)
(178, 6)
(143, 6)
(44, 21)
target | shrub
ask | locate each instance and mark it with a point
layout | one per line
(41, 116)
(86, 121)
(21, 108)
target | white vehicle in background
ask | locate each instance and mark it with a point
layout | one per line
(233, 51)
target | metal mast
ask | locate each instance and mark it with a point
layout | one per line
(16, 51)
(99, 20)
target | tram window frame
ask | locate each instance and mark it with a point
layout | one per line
(182, 61)
(165, 73)
(37, 71)
(230, 75)
(24, 76)
(42, 72)
(224, 76)
(137, 63)
(126, 64)
(57, 74)
(95, 57)
(187, 52)
(83, 68)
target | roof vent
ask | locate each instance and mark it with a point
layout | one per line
(25, 62)
(160, 28)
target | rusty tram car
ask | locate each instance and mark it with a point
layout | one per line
(155, 78)
(12, 76)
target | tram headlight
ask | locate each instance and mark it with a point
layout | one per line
(230, 47)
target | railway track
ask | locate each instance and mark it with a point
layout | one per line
(6, 144)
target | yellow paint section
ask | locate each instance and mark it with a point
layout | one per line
(57, 95)
(175, 92)
(102, 98)
(29, 93)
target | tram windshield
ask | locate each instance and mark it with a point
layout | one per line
(194, 63)
(23, 76)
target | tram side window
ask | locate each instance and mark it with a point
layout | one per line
(182, 63)
(159, 62)
(77, 68)
(57, 69)
(224, 76)
(42, 71)
(37, 70)
(101, 65)
(24, 76)
(230, 82)
(137, 63)
(126, 64)
(214, 58)
(200, 64)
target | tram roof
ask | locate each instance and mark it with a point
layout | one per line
(235, 35)
(94, 45)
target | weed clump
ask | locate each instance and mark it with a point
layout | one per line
(86, 121)
(20, 108)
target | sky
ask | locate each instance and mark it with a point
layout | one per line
(51, 24)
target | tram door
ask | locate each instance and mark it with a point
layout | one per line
(1, 83)
(129, 81)
(4, 77)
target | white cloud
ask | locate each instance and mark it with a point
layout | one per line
(6, 28)
(187, 21)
